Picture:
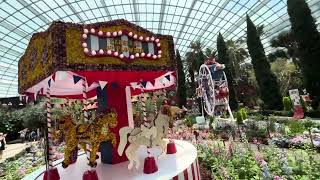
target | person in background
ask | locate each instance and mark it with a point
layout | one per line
(2, 143)
(23, 135)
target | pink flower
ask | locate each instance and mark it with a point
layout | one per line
(297, 139)
(276, 178)
(22, 171)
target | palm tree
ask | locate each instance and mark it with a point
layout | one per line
(238, 54)
(194, 59)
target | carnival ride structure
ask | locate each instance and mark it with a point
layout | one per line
(213, 89)
(111, 61)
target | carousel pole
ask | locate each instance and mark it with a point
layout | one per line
(144, 109)
(171, 146)
(85, 100)
(150, 165)
(51, 172)
(155, 105)
(90, 174)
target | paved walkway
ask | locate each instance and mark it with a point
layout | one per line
(12, 149)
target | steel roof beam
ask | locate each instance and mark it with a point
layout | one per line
(185, 20)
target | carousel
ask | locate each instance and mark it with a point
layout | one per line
(108, 62)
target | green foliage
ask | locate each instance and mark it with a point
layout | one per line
(212, 119)
(190, 120)
(306, 35)
(295, 127)
(286, 101)
(308, 123)
(34, 117)
(268, 85)
(10, 120)
(182, 89)
(241, 115)
(224, 58)
(194, 59)
(277, 54)
(288, 75)
(223, 166)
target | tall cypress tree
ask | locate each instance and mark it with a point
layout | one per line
(223, 57)
(305, 33)
(182, 90)
(268, 85)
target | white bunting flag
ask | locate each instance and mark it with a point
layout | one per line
(103, 84)
(135, 85)
(149, 85)
(61, 75)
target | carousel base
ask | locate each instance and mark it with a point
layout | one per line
(182, 165)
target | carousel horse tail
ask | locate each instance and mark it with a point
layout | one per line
(123, 132)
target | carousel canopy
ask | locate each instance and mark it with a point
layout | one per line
(117, 53)
(185, 20)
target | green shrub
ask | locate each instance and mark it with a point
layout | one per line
(287, 103)
(295, 127)
(241, 115)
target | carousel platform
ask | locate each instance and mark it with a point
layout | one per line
(180, 166)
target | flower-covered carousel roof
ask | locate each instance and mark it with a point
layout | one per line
(185, 20)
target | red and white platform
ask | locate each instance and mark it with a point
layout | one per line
(180, 166)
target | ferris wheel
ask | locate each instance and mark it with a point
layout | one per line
(213, 88)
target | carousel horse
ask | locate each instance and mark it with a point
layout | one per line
(144, 136)
(83, 134)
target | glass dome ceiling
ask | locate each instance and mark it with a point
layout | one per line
(185, 20)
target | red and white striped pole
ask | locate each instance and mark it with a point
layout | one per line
(155, 105)
(49, 113)
(52, 172)
(85, 100)
(144, 109)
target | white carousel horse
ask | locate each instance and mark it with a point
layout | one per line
(144, 136)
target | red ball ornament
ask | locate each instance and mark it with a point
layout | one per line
(150, 165)
(90, 175)
(171, 148)
(51, 174)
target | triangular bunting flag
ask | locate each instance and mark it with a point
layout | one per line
(149, 85)
(168, 77)
(61, 75)
(103, 84)
(76, 79)
(144, 84)
(135, 85)
(114, 85)
(54, 77)
(153, 82)
(49, 83)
